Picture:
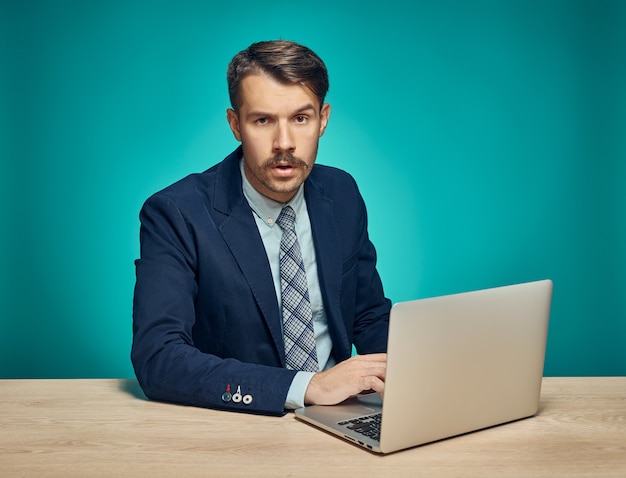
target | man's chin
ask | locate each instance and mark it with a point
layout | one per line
(284, 190)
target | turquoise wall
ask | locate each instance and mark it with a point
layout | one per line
(488, 138)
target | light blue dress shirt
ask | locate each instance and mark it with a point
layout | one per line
(266, 211)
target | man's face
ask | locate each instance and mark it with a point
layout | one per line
(279, 127)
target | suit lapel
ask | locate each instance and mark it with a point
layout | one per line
(329, 260)
(241, 234)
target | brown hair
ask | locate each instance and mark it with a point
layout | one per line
(285, 61)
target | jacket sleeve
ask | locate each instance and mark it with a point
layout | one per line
(167, 363)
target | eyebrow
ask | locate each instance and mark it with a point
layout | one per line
(302, 109)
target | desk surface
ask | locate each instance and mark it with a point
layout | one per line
(107, 428)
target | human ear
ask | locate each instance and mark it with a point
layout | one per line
(324, 115)
(233, 122)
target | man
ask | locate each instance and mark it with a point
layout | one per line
(218, 321)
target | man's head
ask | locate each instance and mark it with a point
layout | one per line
(285, 61)
(277, 92)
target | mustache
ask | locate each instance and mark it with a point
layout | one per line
(282, 158)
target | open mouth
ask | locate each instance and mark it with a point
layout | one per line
(285, 165)
(284, 169)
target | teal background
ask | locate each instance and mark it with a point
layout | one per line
(488, 139)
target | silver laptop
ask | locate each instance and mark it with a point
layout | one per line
(455, 364)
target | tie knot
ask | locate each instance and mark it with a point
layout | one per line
(286, 219)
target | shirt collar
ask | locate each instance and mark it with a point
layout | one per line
(265, 208)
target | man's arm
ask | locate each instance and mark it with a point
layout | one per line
(168, 363)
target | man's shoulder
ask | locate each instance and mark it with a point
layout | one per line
(333, 183)
(331, 176)
(330, 171)
(195, 184)
(192, 183)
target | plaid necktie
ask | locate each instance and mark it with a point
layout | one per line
(300, 353)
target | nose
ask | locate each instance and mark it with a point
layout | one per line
(284, 140)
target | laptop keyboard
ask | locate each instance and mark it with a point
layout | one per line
(368, 426)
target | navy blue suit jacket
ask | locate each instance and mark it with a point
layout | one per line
(205, 312)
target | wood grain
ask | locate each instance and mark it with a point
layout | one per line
(93, 428)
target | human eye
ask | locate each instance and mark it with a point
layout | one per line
(301, 119)
(261, 121)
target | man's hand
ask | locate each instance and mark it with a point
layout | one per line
(346, 379)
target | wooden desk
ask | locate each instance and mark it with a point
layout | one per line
(88, 428)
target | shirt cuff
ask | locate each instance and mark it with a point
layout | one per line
(297, 390)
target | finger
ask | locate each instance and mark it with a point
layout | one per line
(378, 369)
(372, 371)
(381, 357)
(374, 383)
